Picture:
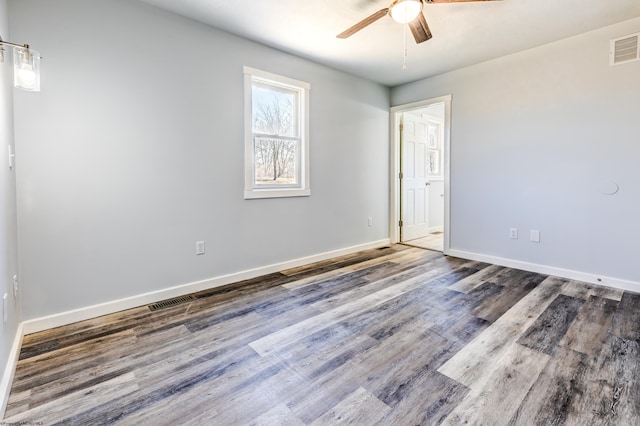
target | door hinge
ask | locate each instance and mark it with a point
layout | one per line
(400, 224)
(400, 175)
(401, 127)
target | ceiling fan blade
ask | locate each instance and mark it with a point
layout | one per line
(365, 22)
(420, 29)
(453, 1)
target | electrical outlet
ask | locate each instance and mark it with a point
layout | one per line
(199, 247)
(535, 236)
(370, 221)
(15, 286)
(513, 233)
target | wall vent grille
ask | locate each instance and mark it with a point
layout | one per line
(625, 49)
(171, 302)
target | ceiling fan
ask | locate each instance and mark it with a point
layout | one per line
(404, 12)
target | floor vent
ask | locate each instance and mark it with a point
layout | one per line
(625, 49)
(171, 302)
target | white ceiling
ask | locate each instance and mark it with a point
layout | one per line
(463, 33)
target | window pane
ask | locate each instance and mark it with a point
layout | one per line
(275, 110)
(434, 162)
(275, 161)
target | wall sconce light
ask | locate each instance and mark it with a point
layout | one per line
(26, 66)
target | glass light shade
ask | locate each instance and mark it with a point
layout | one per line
(26, 69)
(405, 11)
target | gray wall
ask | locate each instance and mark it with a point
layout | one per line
(134, 150)
(534, 136)
(8, 242)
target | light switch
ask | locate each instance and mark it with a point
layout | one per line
(199, 247)
(535, 236)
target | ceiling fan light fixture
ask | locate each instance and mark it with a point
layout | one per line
(404, 11)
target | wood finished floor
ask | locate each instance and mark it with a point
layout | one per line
(433, 241)
(393, 336)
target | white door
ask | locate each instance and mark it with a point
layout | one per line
(414, 183)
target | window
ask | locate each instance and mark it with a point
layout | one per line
(276, 136)
(434, 153)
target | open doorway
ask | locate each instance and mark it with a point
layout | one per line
(420, 173)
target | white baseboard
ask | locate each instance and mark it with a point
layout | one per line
(9, 370)
(549, 270)
(64, 318)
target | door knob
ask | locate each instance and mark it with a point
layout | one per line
(427, 184)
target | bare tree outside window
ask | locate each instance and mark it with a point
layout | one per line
(276, 143)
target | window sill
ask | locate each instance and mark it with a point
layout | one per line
(276, 193)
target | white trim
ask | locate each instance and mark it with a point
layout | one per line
(9, 371)
(277, 78)
(394, 184)
(64, 318)
(276, 193)
(394, 167)
(550, 270)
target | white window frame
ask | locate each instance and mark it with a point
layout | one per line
(302, 189)
(439, 122)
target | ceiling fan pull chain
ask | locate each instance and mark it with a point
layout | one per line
(404, 60)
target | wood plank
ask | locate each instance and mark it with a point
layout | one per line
(432, 399)
(499, 398)
(81, 327)
(461, 330)
(17, 403)
(473, 281)
(301, 329)
(243, 398)
(582, 290)
(626, 320)
(407, 356)
(280, 415)
(324, 351)
(61, 409)
(326, 295)
(322, 267)
(451, 301)
(130, 356)
(547, 331)
(351, 268)
(550, 398)
(494, 307)
(477, 360)
(505, 277)
(611, 393)
(588, 333)
(391, 317)
(361, 407)
(326, 391)
(452, 313)
(49, 344)
(164, 389)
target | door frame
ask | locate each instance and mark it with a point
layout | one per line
(394, 167)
